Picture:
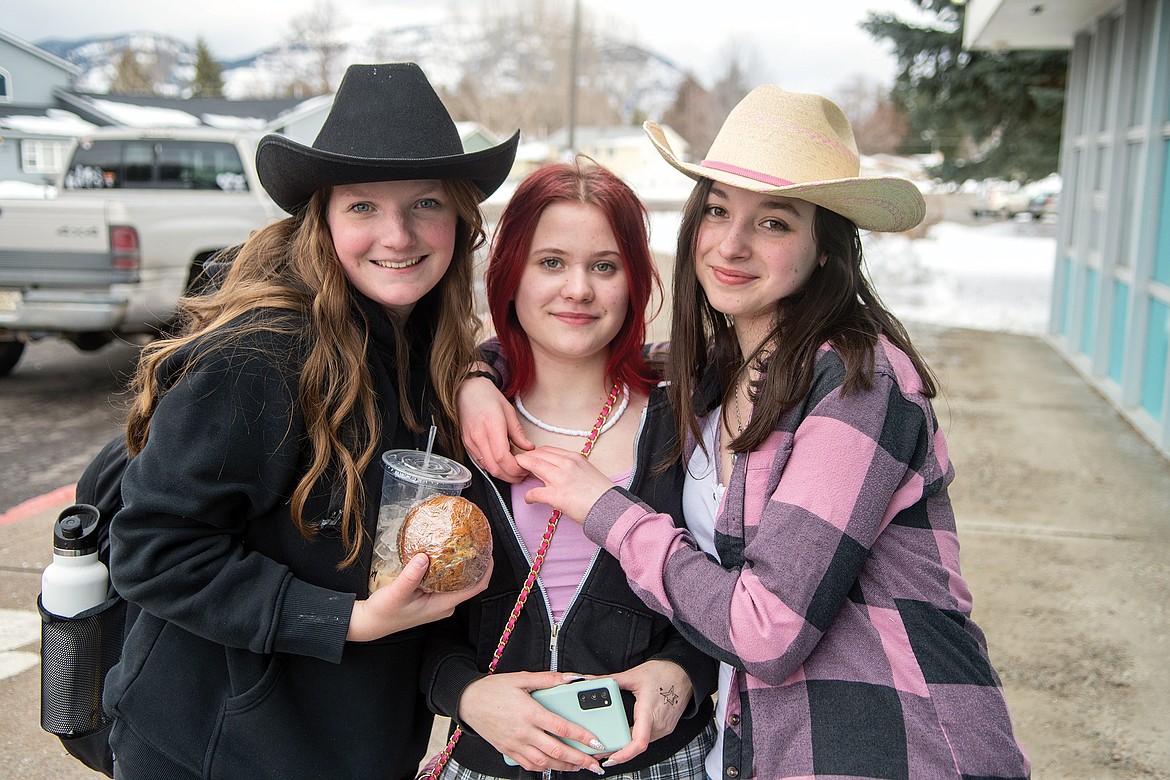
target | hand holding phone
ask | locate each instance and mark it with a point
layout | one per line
(595, 705)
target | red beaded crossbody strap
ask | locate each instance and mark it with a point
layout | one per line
(435, 766)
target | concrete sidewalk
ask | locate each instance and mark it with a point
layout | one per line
(1064, 517)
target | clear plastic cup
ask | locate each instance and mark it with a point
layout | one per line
(410, 476)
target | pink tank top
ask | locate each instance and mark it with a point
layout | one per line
(569, 553)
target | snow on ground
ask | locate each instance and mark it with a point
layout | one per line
(988, 277)
(996, 276)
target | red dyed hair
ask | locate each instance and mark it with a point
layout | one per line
(582, 181)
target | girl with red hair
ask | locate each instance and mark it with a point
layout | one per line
(569, 279)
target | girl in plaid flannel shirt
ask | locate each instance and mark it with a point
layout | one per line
(820, 561)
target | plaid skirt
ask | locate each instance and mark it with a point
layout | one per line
(686, 764)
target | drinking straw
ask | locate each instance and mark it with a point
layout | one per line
(430, 445)
(427, 458)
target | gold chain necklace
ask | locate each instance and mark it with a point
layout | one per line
(738, 418)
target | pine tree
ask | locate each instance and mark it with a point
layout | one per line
(208, 81)
(991, 114)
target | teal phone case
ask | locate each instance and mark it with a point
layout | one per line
(595, 705)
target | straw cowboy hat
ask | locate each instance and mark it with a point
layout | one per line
(386, 124)
(800, 146)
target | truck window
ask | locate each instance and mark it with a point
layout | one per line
(137, 165)
(157, 164)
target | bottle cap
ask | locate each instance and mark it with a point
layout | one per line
(76, 530)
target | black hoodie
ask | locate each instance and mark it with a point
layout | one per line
(237, 666)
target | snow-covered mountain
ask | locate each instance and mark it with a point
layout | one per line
(642, 82)
(98, 59)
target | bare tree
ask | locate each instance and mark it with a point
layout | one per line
(134, 74)
(697, 113)
(879, 126)
(518, 68)
(315, 32)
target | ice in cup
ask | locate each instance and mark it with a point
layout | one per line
(410, 477)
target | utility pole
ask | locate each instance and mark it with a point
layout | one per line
(574, 45)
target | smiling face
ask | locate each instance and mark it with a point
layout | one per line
(753, 251)
(395, 239)
(573, 293)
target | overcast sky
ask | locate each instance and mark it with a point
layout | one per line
(810, 45)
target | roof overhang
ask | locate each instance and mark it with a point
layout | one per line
(37, 51)
(1003, 25)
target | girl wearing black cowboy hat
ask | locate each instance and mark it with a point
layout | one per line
(338, 333)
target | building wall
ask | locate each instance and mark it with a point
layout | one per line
(1111, 288)
(30, 79)
(29, 82)
(35, 160)
(10, 159)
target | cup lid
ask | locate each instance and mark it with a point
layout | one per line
(415, 467)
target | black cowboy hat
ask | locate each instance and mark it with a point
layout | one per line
(386, 124)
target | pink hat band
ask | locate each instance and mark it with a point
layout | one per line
(746, 173)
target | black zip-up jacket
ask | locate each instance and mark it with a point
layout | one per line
(237, 666)
(607, 629)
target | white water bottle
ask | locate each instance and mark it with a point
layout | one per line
(76, 580)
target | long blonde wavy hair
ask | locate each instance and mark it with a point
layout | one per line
(291, 265)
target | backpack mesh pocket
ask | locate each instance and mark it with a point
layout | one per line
(76, 654)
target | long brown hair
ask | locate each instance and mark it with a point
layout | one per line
(291, 266)
(835, 305)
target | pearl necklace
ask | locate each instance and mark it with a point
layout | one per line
(612, 421)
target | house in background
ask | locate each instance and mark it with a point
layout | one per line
(627, 152)
(40, 113)
(1110, 314)
(30, 148)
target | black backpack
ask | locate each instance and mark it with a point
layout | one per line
(78, 652)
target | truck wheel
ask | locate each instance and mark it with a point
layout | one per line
(10, 352)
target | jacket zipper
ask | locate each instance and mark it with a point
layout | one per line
(555, 626)
(527, 557)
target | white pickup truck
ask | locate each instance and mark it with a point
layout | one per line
(137, 212)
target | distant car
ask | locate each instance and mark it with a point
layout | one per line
(1000, 199)
(1044, 205)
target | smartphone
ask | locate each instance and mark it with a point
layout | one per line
(595, 705)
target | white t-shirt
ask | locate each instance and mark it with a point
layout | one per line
(702, 497)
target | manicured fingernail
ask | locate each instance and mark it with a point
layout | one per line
(607, 762)
(596, 770)
(593, 743)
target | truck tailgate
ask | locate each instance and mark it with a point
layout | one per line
(51, 243)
